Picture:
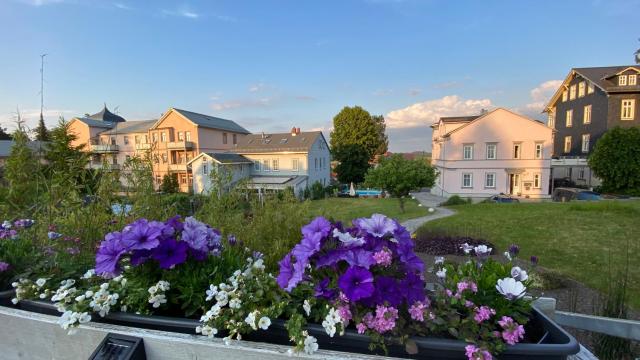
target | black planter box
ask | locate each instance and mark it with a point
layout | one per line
(554, 343)
(6, 296)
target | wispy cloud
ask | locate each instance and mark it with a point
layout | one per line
(31, 116)
(242, 104)
(183, 11)
(122, 6)
(415, 91)
(425, 113)
(41, 2)
(541, 94)
(257, 87)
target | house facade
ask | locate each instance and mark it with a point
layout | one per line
(277, 161)
(496, 152)
(589, 102)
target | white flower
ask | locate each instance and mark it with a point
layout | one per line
(442, 273)
(251, 320)
(482, 250)
(466, 248)
(307, 307)
(439, 260)
(431, 210)
(84, 318)
(89, 274)
(264, 323)
(14, 301)
(123, 282)
(213, 290)
(310, 344)
(511, 288)
(163, 285)
(347, 239)
(157, 300)
(80, 298)
(507, 255)
(207, 330)
(259, 264)
(152, 290)
(43, 296)
(89, 293)
(519, 274)
(235, 303)
(222, 298)
(6, 224)
(329, 328)
(40, 282)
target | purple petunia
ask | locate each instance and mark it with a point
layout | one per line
(412, 287)
(139, 257)
(322, 290)
(142, 235)
(286, 271)
(4, 266)
(109, 254)
(200, 237)
(387, 290)
(175, 223)
(170, 253)
(307, 247)
(319, 225)
(356, 283)
(378, 225)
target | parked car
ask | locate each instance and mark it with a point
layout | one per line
(564, 194)
(502, 198)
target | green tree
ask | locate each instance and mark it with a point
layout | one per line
(398, 176)
(169, 184)
(21, 173)
(42, 133)
(61, 154)
(616, 160)
(354, 125)
(353, 163)
(4, 135)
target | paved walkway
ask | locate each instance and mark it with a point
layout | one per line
(427, 200)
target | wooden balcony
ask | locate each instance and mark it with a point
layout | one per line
(180, 145)
(178, 167)
(143, 146)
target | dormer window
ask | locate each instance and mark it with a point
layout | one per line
(633, 80)
(590, 88)
(622, 80)
(581, 89)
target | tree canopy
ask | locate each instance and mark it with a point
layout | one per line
(353, 163)
(398, 176)
(21, 173)
(42, 133)
(354, 125)
(4, 135)
(616, 160)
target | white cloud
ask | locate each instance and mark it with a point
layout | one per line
(122, 6)
(42, 2)
(242, 103)
(541, 94)
(257, 87)
(184, 11)
(427, 112)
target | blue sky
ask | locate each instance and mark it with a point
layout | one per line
(270, 65)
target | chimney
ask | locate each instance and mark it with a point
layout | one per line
(297, 130)
(294, 131)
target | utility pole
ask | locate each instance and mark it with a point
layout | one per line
(42, 86)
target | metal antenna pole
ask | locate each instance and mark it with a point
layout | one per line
(42, 86)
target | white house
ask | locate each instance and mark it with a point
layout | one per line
(277, 161)
(496, 152)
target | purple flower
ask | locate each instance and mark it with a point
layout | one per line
(109, 254)
(139, 257)
(73, 250)
(356, 283)
(359, 257)
(513, 332)
(307, 247)
(200, 237)
(52, 235)
(319, 225)
(411, 261)
(514, 250)
(483, 313)
(413, 288)
(378, 225)
(4, 266)
(286, 271)
(140, 235)
(175, 223)
(534, 260)
(475, 353)
(257, 255)
(322, 290)
(170, 253)
(387, 290)
(231, 239)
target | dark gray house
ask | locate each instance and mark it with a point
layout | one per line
(588, 103)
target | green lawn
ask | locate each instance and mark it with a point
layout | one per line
(346, 209)
(580, 240)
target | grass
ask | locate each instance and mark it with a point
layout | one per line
(346, 209)
(588, 242)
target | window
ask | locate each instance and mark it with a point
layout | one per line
(146, 139)
(315, 160)
(492, 151)
(126, 140)
(276, 165)
(295, 165)
(572, 92)
(586, 117)
(585, 143)
(567, 144)
(581, 88)
(538, 152)
(183, 179)
(163, 136)
(136, 139)
(205, 171)
(536, 181)
(551, 118)
(490, 180)
(158, 181)
(180, 136)
(565, 94)
(224, 138)
(164, 158)
(517, 147)
(581, 174)
(235, 139)
(187, 135)
(590, 88)
(467, 152)
(256, 165)
(265, 165)
(113, 140)
(633, 79)
(628, 109)
(622, 80)
(467, 180)
(569, 119)
(154, 137)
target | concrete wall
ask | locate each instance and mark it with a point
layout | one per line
(26, 335)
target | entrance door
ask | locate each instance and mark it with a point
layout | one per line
(514, 184)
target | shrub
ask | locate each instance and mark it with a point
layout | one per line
(456, 200)
(317, 191)
(169, 184)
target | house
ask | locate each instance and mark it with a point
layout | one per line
(278, 161)
(589, 102)
(495, 152)
(236, 167)
(38, 148)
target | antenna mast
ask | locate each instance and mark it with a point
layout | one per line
(42, 86)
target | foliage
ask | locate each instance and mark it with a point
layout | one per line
(455, 200)
(138, 176)
(355, 126)
(4, 135)
(42, 133)
(353, 162)
(381, 130)
(169, 184)
(64, 159)
(21, 174)
(17, 250)
(616, 162)
(317, 191)
(398, 176)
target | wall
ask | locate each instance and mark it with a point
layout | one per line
(211, 140)
(202, 180)
(322, 174)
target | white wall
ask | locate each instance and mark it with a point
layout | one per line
(202, 179)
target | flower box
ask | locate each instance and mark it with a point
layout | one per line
(552, 342)
(6, 296)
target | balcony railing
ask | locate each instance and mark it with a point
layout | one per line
(180, 145)
(144, 146)
(178, 167)
(99, 165)
(104, 148)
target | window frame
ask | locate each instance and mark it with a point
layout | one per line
(591, 88)
(225, 139)
(631, 107)
(587, 143)
(275, 165)
(470, 186)
(257, 165)
(565, 95)
(518, 145)
(295, 165)
(572, 92)
(569, 143)
(568, 120)
(538, 150)
(635, 80)
(180, 136)
(495, 151)
(464, 151)
(622, 80)
(187, 135)
(537, 181)
(486, 177)
(163, 137)
(581, 89)
(587, 110)
(266, 167)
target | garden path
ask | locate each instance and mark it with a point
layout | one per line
(427, 200)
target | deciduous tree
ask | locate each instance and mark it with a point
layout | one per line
(616, 160)
(354, 125)
(353, 163)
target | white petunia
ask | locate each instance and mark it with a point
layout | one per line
(251, 320)
(84, 318)
(519, 274)
(264, 323)
(235, 303)
(89, 274)
(40, 282)
(482, 250)
(439, 260)
(466, 248)
(157, 300)
(213, 290)
(347, 239)
(442, 273)
(510, 288)
(310, 344)
(307, 307)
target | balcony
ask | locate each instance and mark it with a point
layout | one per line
(180, 145)
(145, 146)
(104, 148)
(103, 166)
(178, 167)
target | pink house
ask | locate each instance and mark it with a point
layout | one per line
(496, 152)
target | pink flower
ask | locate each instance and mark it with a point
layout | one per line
(344, 313)
(361, 328)
(467, 285)
(383, 257)
(483, 313)
(469, 304)
(448, 292)
(475, 353)
(512, 331)
(384, 320)
(417, 311)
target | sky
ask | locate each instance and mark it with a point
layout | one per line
(272, 65)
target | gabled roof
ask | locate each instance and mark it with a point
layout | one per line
(454, 119)
(280, 142)
(207, 121)
(106, 115)
(6, 145)
(95, 123)
(479, 118)
(224, 158)
(129, 127)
